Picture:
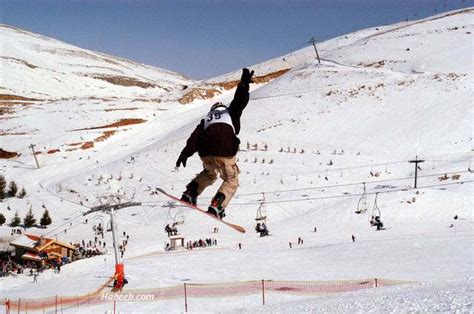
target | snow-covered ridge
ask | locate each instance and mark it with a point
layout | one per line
(368, 46)
(37, 66)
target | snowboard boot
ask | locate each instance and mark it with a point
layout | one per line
(216, 208)
(190, 195)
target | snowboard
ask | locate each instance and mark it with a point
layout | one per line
(174, 198)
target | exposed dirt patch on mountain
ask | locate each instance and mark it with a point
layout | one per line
(157, 100)
(90, 144)
(120, 109)
(124, 81)
(8, 97)
(377, 64)
(7, 102)
(103, 99)
(105, 135)
(74, 144)
(117, 124)
(198, 93)
(7, 155)
(257, 79)
(14, 133)
(87, 145)
(23, 62)
(4, 110)
(206, 93)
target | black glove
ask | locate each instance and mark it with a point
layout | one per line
(181, 160)
(246, 76)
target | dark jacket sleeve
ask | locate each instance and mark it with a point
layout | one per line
(238, 104)
(192, 142)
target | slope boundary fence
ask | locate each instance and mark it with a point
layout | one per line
(187, 291)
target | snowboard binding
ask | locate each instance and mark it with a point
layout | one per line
(191, 194)
(216, 208)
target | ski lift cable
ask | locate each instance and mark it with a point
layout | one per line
(349, 184)
(403, 189)
(355, 167)
(155, 203)
(63, 224)
(65, 229)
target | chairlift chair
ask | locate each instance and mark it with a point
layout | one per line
(375, 212)
(362, 206)
(109, 226)
(176, 218)
(261, 217)
(262, 211)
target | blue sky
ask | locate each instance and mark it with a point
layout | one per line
(205, 38)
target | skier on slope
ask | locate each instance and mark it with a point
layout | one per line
(215, 139)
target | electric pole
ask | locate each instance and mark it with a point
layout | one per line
(34, 155)
(416, 162)
(313, 41)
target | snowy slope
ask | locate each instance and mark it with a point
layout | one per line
(359, 116)
(39, 67)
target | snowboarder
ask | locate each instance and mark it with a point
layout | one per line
(353, 238)
(215, 139)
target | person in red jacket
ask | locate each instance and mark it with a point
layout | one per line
(215, 140)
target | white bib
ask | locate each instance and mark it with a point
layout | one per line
(218, 116)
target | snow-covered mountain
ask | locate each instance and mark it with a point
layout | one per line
(312, 134)
(39, 67)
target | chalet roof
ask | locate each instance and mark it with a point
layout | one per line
(32, 242)
(51, 241)
(26, 240)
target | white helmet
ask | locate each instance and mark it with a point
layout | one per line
(218, 106)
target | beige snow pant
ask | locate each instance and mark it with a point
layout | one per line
(228, 170)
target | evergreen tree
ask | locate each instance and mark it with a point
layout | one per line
(15, 222)
(3, 184)
(45, 220)
(29, 220)
(2, 219)
(22, 193)
(12, 189)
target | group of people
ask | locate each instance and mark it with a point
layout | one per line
(9, 267)
(89, 249)
(200, 243)
(86, 252)
(15, 231)
(300, 242)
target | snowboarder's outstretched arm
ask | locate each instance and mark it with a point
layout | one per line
(241, 99)
(191, 146)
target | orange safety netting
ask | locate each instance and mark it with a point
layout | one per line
(191, 290)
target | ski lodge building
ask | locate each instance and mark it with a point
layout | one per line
(33, 248)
